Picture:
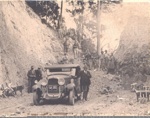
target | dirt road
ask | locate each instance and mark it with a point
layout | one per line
(121, 102)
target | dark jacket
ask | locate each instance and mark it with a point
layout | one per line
(66, 43)
(75, 45)
(111, 63)
(31, 74)
(38, 74)
(85, 78)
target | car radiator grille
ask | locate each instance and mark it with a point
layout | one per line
(53, 89)
(53, 86)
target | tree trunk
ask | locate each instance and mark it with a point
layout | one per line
(98, 27)
(46, 11)
(60, 17)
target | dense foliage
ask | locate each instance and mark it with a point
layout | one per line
(47, 9)
(50, 12)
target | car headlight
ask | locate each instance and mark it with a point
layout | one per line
(43, 83)
(72, 81)
(35, 81)
(61, 81)
(44, 87)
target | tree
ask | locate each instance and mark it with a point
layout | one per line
(95, 8)
(60, 17)
(51, 14)
(47, 10)
(98, 27)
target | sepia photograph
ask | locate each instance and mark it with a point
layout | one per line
(74, 58)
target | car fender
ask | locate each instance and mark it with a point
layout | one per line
(35, 87)
(70, 86)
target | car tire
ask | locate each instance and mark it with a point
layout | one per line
(79, 97)
(35, 98)
(71, 97)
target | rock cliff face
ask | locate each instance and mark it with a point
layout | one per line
(134, 46)
(24, 41)
(135, 35)
(135, 38)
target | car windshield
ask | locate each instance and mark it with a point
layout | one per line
(70, 71)
(59, 70)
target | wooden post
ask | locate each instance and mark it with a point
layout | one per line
(82, 25)
(98, 26)
(98, 30)
(60, 17)
(46, 12)
(61, 8)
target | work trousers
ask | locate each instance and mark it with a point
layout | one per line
(85, 90)
(75, 52)
(30, 84)
(66, 48)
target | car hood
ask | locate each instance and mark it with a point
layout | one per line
(58, 76)
(42, 81)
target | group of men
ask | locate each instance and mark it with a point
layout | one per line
(104, 61)
(32, 76)
(75, 47)
(108, 62)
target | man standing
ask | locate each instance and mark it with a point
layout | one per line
(111, 64)
(31, 78)
(75, 48)
(85, 82)
(106, 58)
(66, 45)
(102, 61)
(88, 58)
(65, 59)
(38, 74)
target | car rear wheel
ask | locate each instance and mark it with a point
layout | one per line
(71, 97)
(35, 98)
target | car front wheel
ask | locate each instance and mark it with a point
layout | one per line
(71, 97)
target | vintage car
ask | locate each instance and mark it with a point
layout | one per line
(61, 82)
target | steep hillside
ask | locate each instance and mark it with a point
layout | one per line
(24, 41)
(134, 36)
(119, 18)
(134, 46)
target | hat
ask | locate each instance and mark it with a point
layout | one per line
(85, 67)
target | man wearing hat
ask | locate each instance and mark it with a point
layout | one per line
(31, 78)
(65, 58)
(66, 45)
(75, 48)
(38, 74)
(85, 82)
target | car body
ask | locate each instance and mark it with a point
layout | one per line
(61, 82)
